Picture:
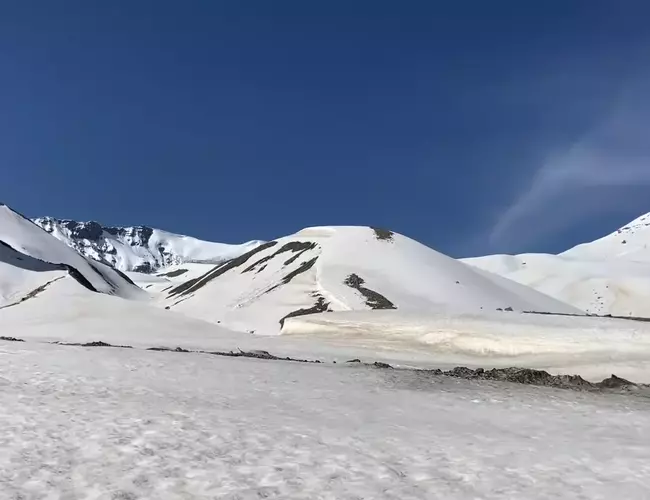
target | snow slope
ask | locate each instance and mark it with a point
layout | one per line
(608, 276)
(138, 248)
(30, 258)
(108, 424)
(629, 243)
(344, 268)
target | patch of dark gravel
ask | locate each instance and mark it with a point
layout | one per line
(523, 376)
(573, 315)
(260, 355)
(144, 268)
(93, 344)
(174, 273)
(33, 293)
(528, 376)
(319, 307)
(192, 285)
(168, 349)
(374, 300)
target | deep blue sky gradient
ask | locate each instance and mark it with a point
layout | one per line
(245, 120)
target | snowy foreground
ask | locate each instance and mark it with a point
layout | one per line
(104, 423)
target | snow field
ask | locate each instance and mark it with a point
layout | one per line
(104, 424)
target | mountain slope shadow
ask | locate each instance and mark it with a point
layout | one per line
(13, 257)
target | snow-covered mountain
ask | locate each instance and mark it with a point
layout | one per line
(139, 248)
(31, 260)
(338, 269)
(610, 275)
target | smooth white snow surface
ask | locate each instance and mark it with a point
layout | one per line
(300, 270)
(139, 248)
(169, 277)
(630, 242)
(608, 276)
(107, 424)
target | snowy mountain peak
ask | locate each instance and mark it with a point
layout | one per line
(607, 276)
(341, 268)
(138, 248)
(630, 242)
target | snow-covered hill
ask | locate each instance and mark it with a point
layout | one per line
(608, 276)
(343, 268)
(31, 259)
(630, 243)
(138, 248)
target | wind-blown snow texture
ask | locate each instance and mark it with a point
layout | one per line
(124, 424)
(608, 276)
(344, 268)
(139, 248)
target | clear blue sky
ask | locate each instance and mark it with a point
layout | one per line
(472, 126)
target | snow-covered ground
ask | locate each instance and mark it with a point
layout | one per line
(608, 276)
(168, 278)
(106, 424)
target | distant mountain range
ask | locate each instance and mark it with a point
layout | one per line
(138, 248)
(256, 286)
(252, 287)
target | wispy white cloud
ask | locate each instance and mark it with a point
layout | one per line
(587, 179)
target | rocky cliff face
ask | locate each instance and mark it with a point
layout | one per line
(138, 248)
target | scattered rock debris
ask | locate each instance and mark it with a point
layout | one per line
(33, 293)
(374, 300)
(591, 315)
(528, 376)
(259, 355)
(525, 376)
(178, 349)
(93, 344)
